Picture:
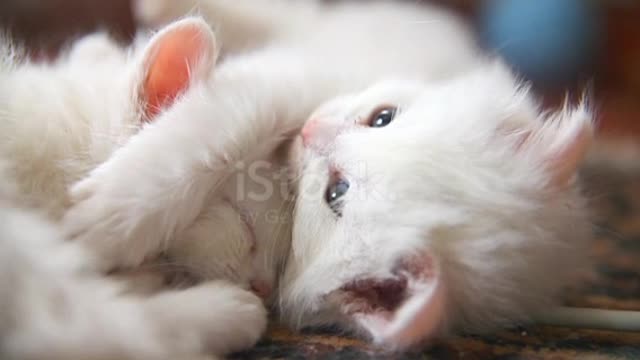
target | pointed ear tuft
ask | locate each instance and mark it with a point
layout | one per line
(576, 130)
(561, 143)
(178, 55)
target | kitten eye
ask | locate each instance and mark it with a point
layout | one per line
(335, 191)
(382, 117)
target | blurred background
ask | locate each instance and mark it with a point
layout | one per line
(568, 45)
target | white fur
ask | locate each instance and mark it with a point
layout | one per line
(54, 305)
(454, 178)
(52, 119)
(187, 158)
(57, 122)
(448, 177)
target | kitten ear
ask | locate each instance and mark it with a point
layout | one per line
(421, 314)
(561, 143)
(178, 55)
(563, 163)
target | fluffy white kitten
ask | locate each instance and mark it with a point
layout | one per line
(57, 121)
(461, 213)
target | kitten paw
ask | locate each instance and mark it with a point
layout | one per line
(106, 218)
(245, 319)
(225, 317)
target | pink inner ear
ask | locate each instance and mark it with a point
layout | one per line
(418, 319)
(420, 315)
(169, 69)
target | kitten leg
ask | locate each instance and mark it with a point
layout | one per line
(223, 317)
(53, 306)
(154, 187)
(72, 322)
(81, 321)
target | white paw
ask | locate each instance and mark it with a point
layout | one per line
(106, 218)
(244, 317)
(225, 317)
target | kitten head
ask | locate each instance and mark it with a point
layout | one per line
(428, 207)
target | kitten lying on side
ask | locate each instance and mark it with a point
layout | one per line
(57, 122)
(461, 214)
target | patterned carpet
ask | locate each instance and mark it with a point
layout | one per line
(615, 284)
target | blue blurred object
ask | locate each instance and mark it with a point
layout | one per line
(548, 41)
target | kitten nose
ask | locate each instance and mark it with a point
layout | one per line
(307, 131)
(317, 132)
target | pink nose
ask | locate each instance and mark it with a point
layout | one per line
(318, 132)
(308, 131)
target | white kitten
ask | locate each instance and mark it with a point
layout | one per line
(57, 122)
(469, 222)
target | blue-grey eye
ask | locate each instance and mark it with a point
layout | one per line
(335, 191)
(382, 116)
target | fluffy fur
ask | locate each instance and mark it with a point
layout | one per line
(55, 305)
(57, 122)
(462, 214)
(480, 188)
(192, 155)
